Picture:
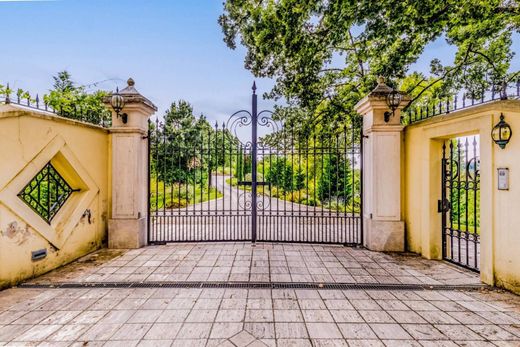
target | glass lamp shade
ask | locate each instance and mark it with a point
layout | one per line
(501, 133)
(393, 99)
(117, 101)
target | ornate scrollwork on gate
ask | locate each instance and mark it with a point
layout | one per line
(263, 204)
(473, 169)
(245, 201)
(237, 120)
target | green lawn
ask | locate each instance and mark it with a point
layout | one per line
(179, 195)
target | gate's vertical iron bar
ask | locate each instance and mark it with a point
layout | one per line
(347, 223)
(361, 179)
(315, 178)
(263, 217)
(451, 199)
(216, 229)
(328, 149)
(239, 178)
(163, 229)
(254, 125)
(300, 215)
(356, 226)
(272, 196)
(291, 188)
(200, 165)
(458, 197)
(307, 209)
(466, 193)
(443, 198)
(156, 213)
(225, 229)
(148, 189)
(476, 178)
(210, 182)
(181, 223)
(172, 188)
(334, 223)
(206, 155)
(321, 153)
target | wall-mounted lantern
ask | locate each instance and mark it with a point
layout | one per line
(117, 101)
(393, 100)
(501, 133)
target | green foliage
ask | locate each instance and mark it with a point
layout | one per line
(281, 173)
(185, 149)
(335, 180)
(179, 195)
(177, 146)
(72, 101)
(326, 55)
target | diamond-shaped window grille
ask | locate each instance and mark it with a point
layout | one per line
(46, 193)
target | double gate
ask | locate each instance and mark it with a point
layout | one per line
(253, 179)
(460, 202)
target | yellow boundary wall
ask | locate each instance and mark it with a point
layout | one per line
(30, 139)
(499, 210)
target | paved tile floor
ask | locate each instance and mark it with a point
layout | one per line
(258, 317)
(267, 262)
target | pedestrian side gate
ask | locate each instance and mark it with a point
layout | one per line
(460, 202)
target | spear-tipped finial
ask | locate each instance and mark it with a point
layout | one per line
(7, 92)
(254, 87)
(216, 125)
(223, 125)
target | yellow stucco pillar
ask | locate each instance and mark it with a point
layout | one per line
(127, 226)
(382, 171)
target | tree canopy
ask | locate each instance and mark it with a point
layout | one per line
(326, 54)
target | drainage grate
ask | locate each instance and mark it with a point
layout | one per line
(254, 285)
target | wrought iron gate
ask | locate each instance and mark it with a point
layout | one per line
(254, 179)
(460, 202)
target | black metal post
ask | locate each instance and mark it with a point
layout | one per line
(148, 193)
(361, 183)
(254, 127)
(442, 208)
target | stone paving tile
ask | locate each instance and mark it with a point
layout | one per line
(260, 317)
(265, 262)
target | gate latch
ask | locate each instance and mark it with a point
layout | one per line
(443, 206)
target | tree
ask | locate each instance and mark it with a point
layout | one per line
(179, 146)
(72, 101)
(326, 55)
(335, 178)
(185, 149)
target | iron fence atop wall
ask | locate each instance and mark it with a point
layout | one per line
(422, 110)
(77, 112)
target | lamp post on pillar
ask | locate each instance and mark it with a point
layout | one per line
(383, 168)
(127, 226)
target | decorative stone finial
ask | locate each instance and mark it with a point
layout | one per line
(130, 82)
(381, 89)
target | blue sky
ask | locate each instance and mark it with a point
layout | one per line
(172, 48)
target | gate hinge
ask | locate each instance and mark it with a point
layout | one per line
(443, 206)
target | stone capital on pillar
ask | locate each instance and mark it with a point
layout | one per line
(127, 226)
(382, 170)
